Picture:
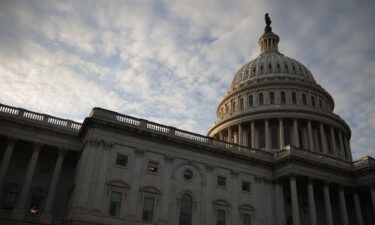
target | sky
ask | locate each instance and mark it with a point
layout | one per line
(171, 62)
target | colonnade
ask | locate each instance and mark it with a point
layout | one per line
(301, 133)
(311, 205)
(20, 206)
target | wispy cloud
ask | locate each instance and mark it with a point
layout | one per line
(172, 61)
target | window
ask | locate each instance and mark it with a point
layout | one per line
(115, 203)
(313, 101)
(251, 100)
(320, 103)
(220, 217)
(9, 200)
(188, 175)
(148, 209)
(260, 100)
(233, 106)
(241, 104)
(278, 67)
(221, 181)
(246, 186)
(122, 160)
(274, 139)
(294, 97)
(186, 209)
(262, 138)
(153, 167)
(286, 136)
(304, 101)
(282, 97)
(246, 220)
(272, 97)
(35, 204)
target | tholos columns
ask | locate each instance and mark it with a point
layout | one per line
(341, 144)
(281, 132)
(253, 134)
(343, 210)
(295, 129)
(11, 142)
(333, 141)
(19, 211)
(323, 139)
(312, 209)
(240, 135)
(229, 135)
(327, 203)
(295, 206)
(310, 134)
(267, 134)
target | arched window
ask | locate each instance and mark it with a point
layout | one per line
(304, 101)
(233, 106)
(272, 97)
(320, 103)
(241, 104)
(313, 101)
(294, 97)
(260, 99)
(186, 209)
(251, 100)
(282, 97)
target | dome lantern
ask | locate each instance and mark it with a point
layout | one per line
(268, 41)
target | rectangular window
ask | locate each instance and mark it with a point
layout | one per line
(9, 201)
(115, 203)
(153, 167)
(220, 219)
(148, 209)
(221, 181)
(246, 219)
(294, 97)
(122, 160)
(246, 186)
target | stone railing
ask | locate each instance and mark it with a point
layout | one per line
(38, 118)
(115, 117)
(364, 162)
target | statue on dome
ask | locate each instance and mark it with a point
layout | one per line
(268, 28)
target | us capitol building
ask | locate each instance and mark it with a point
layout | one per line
(277, 155)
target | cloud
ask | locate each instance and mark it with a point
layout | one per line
(172, 61)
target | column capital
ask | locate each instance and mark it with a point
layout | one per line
(11, 141)
(61, 152)
(326, 183)
(281, 119)
(311, 180)
(37, 146)
(292, 176)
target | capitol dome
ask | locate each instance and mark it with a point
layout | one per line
(274, 102)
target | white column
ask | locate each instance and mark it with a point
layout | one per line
(19, 211)
(372, 191)
(357, 207)
(11, 142)
(131, 217)
(323, 139)
(347, 148)
(341, 144)
(281, 133)
(279, 205)
(343, 209)
(240, 135)
(310, 134)
(267, 134)
(296, 136)
(46, 216)
(208, 194)
(327, 203)
(253, 134)
(229, 135)
(166, 189)
(311, 197)
(333, 141)
(294, 195)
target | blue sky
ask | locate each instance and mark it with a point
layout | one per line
(172, 61)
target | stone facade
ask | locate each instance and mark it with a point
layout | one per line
(284, 159)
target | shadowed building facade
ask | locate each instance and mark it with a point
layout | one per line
(277, 155)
